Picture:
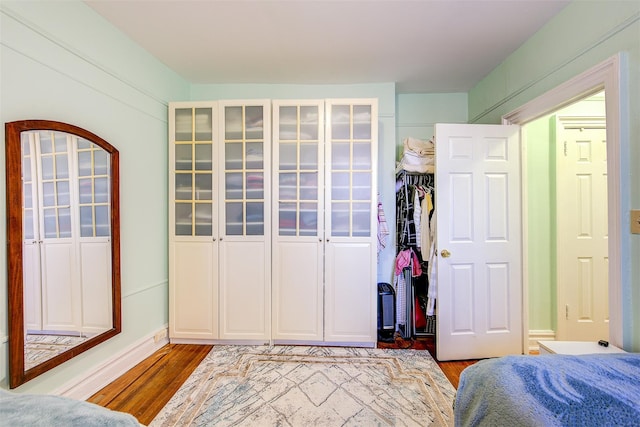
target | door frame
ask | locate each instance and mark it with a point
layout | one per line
(606, 76)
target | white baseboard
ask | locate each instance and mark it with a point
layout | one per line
(84, 386)
(540, 335)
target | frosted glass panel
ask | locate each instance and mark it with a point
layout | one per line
(288, 155)
(101, 190)
(102, 221)
(48, 194)
(85, 190)
(46, 145)
(233, 155)
(28, 199)
(340, 155)
(204, 124)
(203, 187)
(62, 166)
(309, 186)
(203, 157)
(308, 219)
(362, 155)
(184, 185)
(101, 162)
(254, 122)
(309, 118)
(64, 222)
(234, 218)
(361, 219)
(86, 221)
(255, 185)
(183, 125)
(288, 123)
(255, 218)
(362, 122)
(47, 167)
(309, 155)
(233, 185)
(84, 163)
(50, 223)
(28, 225)
(233, 123)
(340, 186)
(361, 186)
(64, 198)
(254, 155)
(339, 219)
(203, 219)
(183, 219)
(340, 127)
(183, 157)
(287, 219)
(60, 142)
(288, 186)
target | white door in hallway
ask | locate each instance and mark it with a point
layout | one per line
(583, 261)
(479, 272)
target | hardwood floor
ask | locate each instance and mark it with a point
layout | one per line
(145, 389)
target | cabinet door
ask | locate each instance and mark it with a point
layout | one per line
(244, 217)
(297, 300)
(350, 281)
(193, 246)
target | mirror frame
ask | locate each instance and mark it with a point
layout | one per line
(17, 373)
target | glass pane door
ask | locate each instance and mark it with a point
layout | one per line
(55, 195)
(93, 189)
(298, 141)
(193, 171)
(244, 170)
(351, 170)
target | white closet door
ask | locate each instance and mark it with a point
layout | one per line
(193, 245)
(297, 301)
(350, 222)
(245, 235)
(60, 270)
(479, 279)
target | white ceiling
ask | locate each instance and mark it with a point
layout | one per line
(425, 46)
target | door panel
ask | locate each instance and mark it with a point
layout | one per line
(478, 210)
(583, 268)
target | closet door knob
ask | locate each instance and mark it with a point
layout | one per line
(445, 253)
(214, 239)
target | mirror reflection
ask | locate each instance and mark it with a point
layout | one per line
(63, 244)
(66, 252)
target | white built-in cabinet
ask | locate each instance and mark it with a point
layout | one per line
(273, 221)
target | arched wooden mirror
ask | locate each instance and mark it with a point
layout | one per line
(63, 244)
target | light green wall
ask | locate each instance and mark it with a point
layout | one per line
(542, 289)
(418, 113)
(581, 36)
(61, 61)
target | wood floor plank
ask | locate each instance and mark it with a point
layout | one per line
(146, 389)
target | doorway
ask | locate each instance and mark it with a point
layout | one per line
(606, 77)
(567, 227)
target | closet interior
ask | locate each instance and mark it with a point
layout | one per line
(415, 272)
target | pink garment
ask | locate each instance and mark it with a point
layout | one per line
(403, 260)
(408, 258)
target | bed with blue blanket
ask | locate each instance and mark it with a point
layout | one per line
(33, 410)
(551, 390)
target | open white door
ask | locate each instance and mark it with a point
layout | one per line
(478, 208)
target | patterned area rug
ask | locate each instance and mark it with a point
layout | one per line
(312, 386)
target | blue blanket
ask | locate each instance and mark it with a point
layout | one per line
(17, 410)
(551, 390)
